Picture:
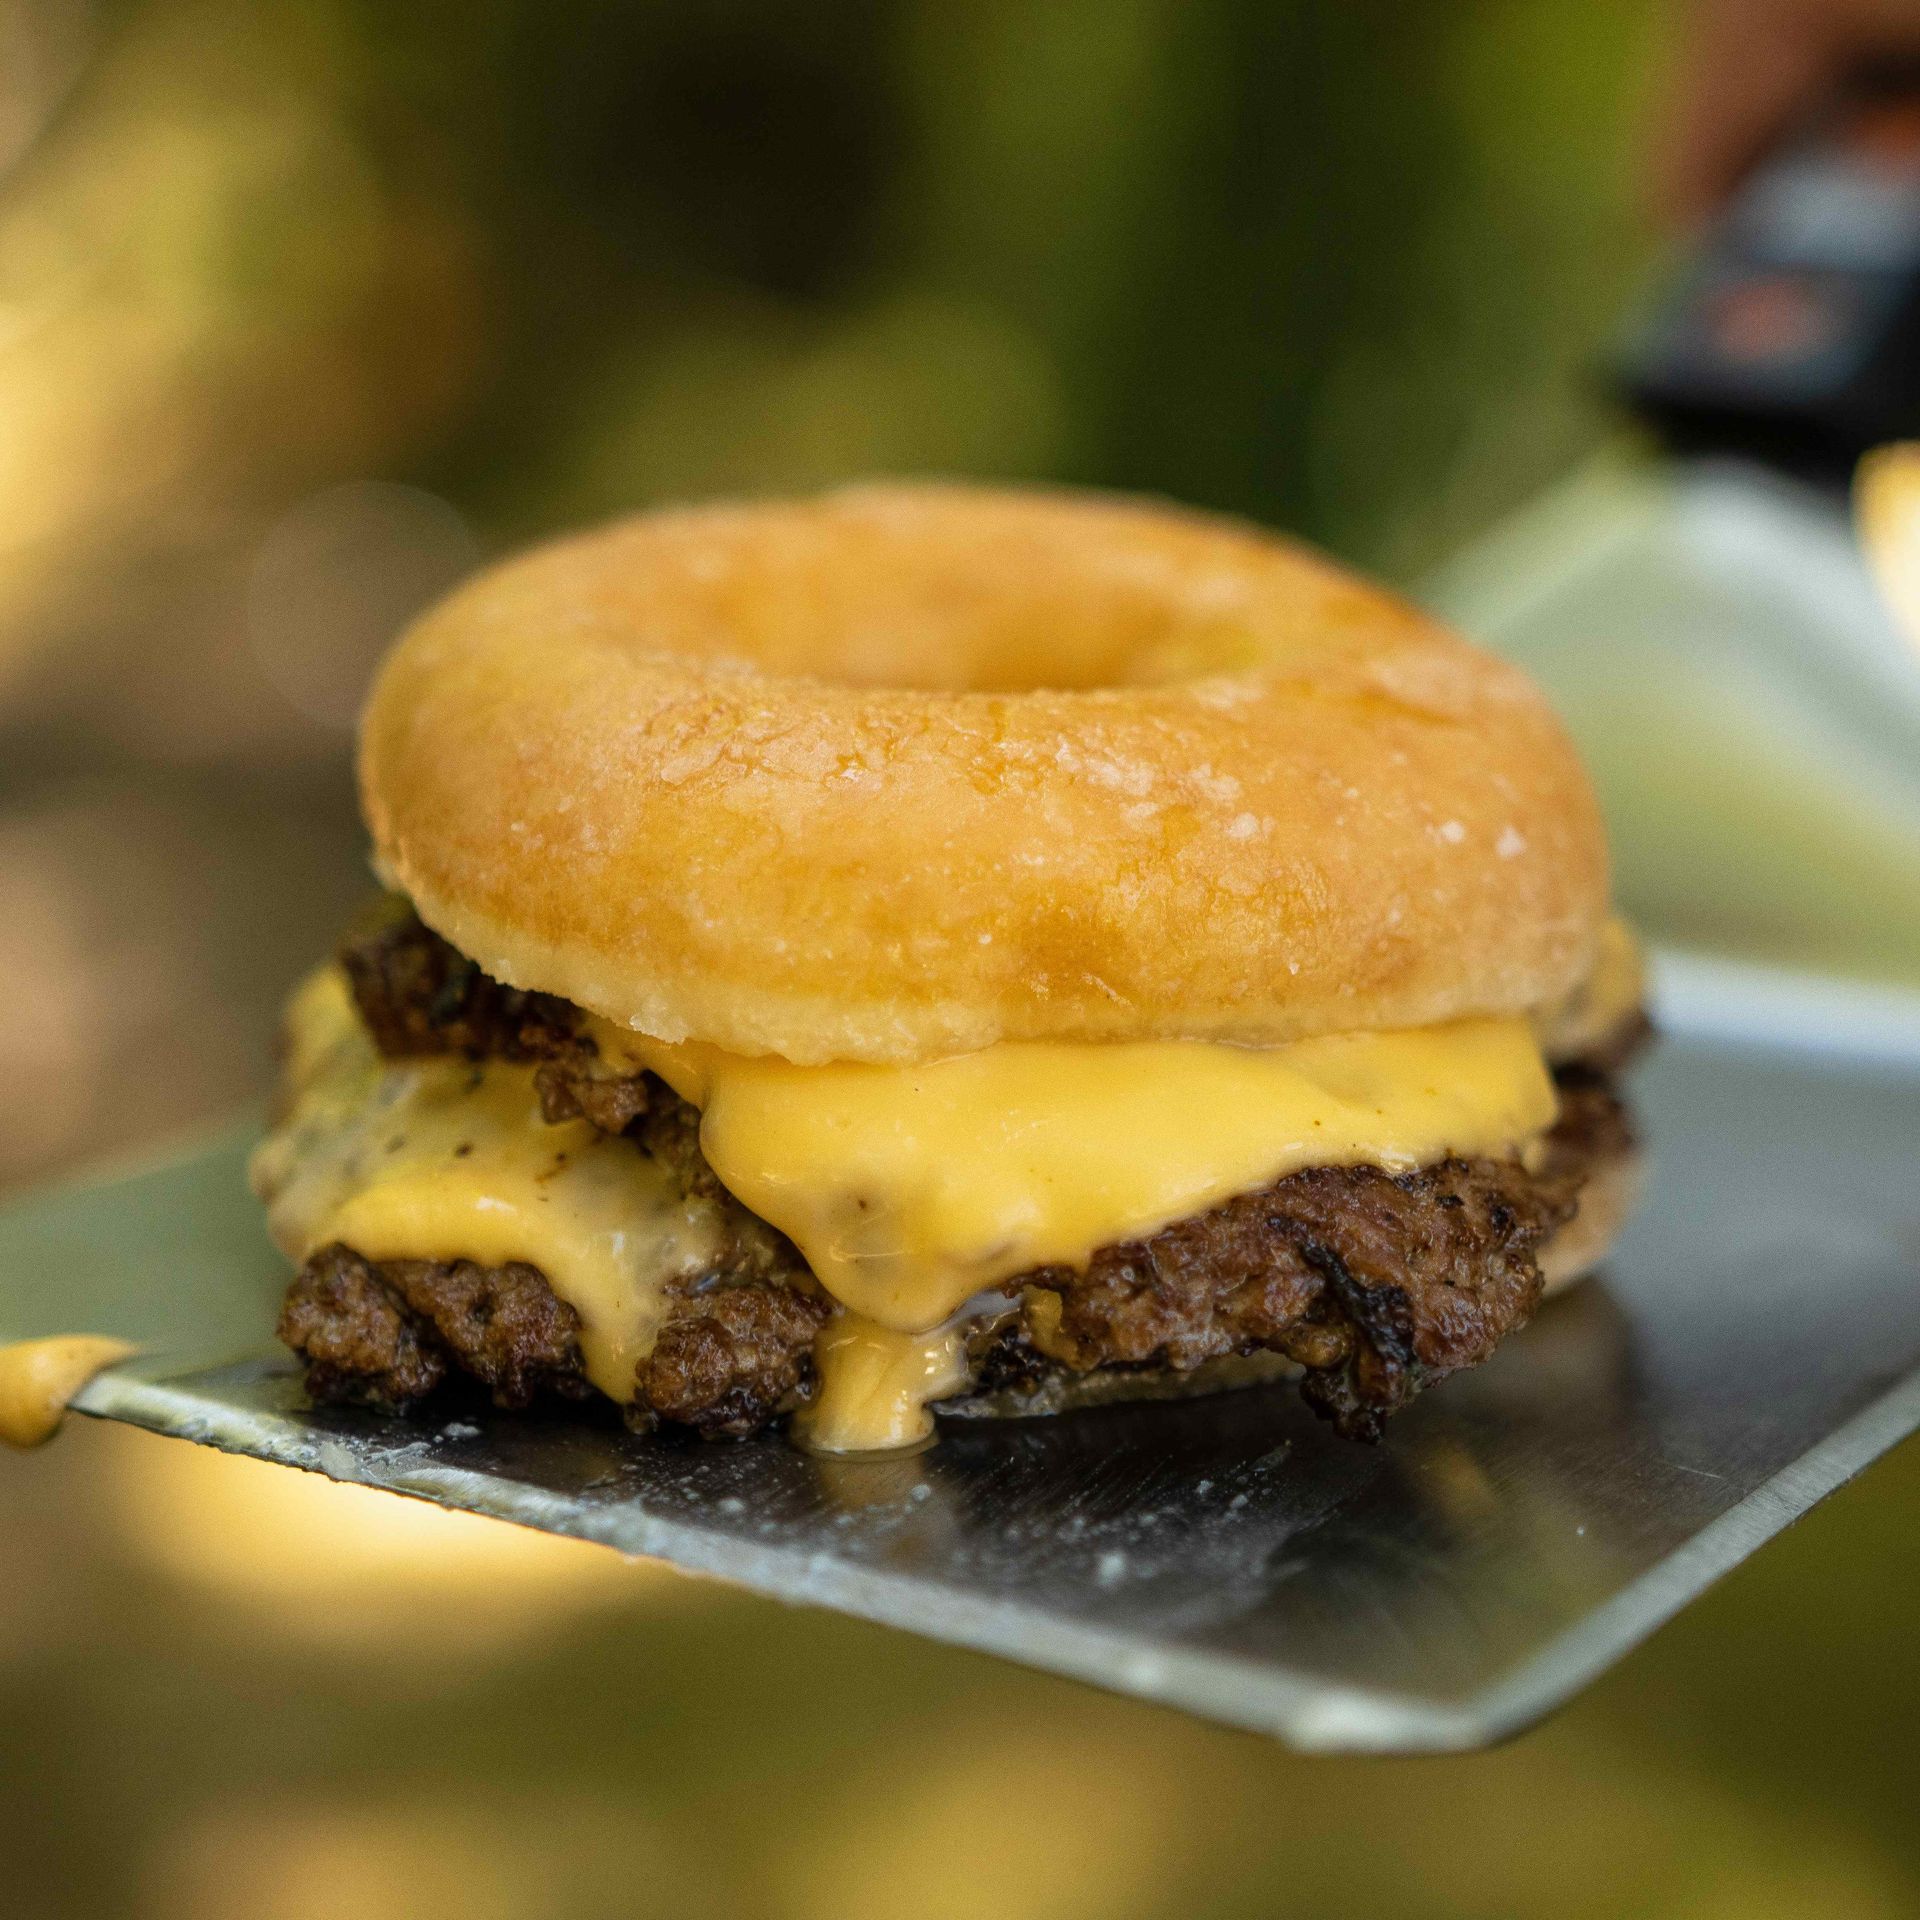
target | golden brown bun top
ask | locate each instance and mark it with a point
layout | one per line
(907, 770)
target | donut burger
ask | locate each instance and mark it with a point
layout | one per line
(932, 948)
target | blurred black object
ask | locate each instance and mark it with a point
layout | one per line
(1791, 329)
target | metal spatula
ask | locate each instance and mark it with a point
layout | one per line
(1755, 1342)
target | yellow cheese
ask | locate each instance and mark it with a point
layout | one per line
(876, 1386)
(911, 1189)
(440, 1159)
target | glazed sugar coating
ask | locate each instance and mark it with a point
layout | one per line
(908, 770)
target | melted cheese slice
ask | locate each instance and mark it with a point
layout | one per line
(440, 1159)
(912, 1189)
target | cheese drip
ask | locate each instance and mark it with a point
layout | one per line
(440, 1159)
(876, 1386)
(912, 1189)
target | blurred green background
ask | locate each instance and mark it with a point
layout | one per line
(306, 307)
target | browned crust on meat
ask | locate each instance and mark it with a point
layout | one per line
(420, 996)
(391, 1334)
(1376, 1285)
(360, 1340)
(730, 1361)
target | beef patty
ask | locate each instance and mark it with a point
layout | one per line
(1375, 1284)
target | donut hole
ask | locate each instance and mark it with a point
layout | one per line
(938, 590)
(973, 641)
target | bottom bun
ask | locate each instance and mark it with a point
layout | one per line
(1607, 1203)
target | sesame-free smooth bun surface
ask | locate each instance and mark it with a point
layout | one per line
(907, 770)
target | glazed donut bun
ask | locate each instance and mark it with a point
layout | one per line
(903, 771)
